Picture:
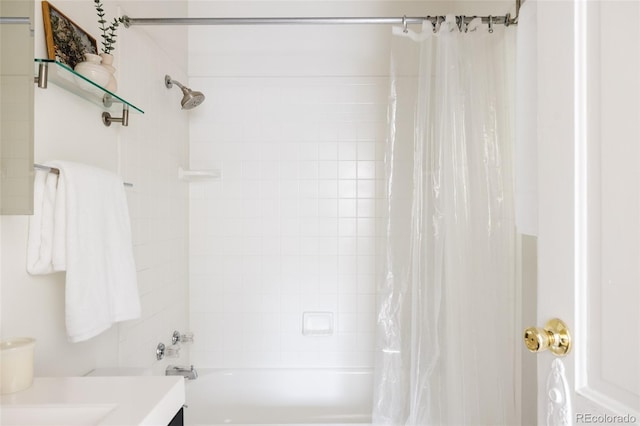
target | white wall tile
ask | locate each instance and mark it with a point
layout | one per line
(304, 185)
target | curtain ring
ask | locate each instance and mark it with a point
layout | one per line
(434, 23)
(404, 24)
(490, 24)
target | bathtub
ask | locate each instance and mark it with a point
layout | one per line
(279, 397)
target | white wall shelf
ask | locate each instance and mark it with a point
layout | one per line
(199, 175)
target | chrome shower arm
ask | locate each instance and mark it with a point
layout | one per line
(169, 82)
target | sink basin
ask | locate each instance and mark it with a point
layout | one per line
(54, 414)
(105, 401)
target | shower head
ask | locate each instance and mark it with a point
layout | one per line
(191, 98)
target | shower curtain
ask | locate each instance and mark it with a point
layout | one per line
(446, 337)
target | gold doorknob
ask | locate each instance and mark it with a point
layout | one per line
(554, 336)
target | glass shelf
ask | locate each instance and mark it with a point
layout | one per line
(63, 76)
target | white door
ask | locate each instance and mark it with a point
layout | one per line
(589, 216)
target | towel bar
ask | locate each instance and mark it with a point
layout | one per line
(57, 172)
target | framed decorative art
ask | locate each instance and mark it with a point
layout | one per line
(66, 41)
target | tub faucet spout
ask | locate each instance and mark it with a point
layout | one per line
(186, 371)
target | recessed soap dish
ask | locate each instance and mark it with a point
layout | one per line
(317, 323)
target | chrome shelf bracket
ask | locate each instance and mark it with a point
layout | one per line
(107, 118)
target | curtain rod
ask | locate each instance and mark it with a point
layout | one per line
(435, 20)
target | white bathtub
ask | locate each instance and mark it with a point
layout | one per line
(279, 396)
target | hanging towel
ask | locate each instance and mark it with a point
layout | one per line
(41, 225)
(90, 239)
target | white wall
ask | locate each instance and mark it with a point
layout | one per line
(147, 154)
(293, 224)
(296, 120)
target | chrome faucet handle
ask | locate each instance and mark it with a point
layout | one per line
(160, 349)
(172, 351)
(184, 338)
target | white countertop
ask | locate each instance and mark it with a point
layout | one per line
(114, 401)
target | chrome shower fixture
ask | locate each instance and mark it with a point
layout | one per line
(191, 98)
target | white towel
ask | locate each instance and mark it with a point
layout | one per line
(90, 238)
(41, 226)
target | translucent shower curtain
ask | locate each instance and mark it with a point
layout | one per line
(446, 337)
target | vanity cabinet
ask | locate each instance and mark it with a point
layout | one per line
(178, 420)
